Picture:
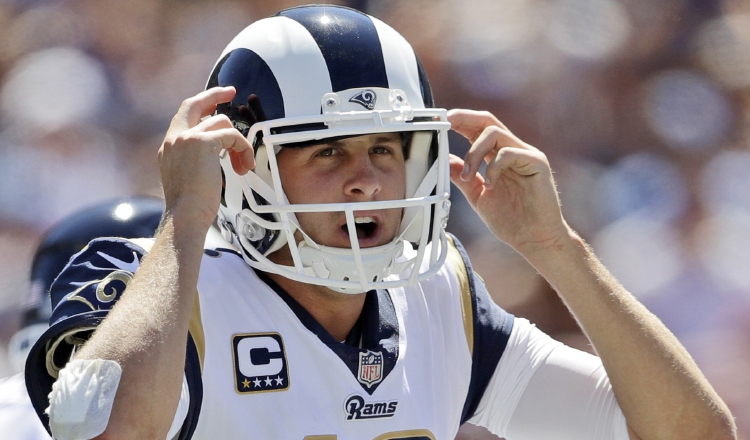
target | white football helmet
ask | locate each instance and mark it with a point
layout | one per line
(318, 72)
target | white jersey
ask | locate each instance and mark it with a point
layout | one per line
(18, 420)
(420, 361)
(406, 374)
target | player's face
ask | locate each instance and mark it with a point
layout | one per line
(359, 169)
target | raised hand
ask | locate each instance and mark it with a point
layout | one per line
(517, 197)
(189, 155)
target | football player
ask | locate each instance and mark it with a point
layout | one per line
(340, 308)
(128, 217)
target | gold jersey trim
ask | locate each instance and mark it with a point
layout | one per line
(195, 328)
(456, 261)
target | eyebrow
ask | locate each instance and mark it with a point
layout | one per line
(384, 138)
(336, 141)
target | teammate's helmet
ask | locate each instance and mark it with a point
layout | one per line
(322, 72)
(127, 217)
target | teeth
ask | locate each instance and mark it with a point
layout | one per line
(364, 220)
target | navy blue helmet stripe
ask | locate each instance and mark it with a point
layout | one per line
(249, 74)
(350, 66)
(424, 84)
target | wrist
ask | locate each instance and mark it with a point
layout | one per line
(561, 249)
(549, 244)
(185, 227)
(189, 218)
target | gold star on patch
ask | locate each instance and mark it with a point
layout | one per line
(245, 383)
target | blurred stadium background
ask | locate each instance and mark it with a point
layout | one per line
(642, 107)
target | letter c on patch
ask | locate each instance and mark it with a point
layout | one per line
(268, 365)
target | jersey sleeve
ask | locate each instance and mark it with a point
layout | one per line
(525, 384)
(545, 389)
(82, 295)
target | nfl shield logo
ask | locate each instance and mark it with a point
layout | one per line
(370, 368)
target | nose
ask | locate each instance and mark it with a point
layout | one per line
(363, 180)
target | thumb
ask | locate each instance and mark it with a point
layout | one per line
(471, 188)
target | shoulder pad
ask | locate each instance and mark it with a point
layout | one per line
(95, 278)
(82, 295)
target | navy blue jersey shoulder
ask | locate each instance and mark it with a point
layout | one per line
(82, 295)
(492, 327)
(95, 278)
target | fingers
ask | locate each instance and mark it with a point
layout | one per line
(471, 123)
(471, 188)
(199, 106)
(218, 133)
(489, 137)
(520, 161)
(242, 162)
(487, 146)
(239, 149)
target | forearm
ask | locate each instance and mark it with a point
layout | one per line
(146, 333)
(661, 391)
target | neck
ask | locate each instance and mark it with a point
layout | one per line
(336, 312)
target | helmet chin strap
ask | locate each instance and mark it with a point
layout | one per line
(362, 265)
(341, 263)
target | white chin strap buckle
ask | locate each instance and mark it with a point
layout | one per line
(341, 264)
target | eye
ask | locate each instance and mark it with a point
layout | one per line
(326, 152)
(380, 150)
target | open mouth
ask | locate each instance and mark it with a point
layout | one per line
(366, 227)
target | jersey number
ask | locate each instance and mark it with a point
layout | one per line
(414, 434)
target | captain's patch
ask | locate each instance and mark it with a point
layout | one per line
(260, 363)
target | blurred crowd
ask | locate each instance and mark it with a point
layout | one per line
(643, 109)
